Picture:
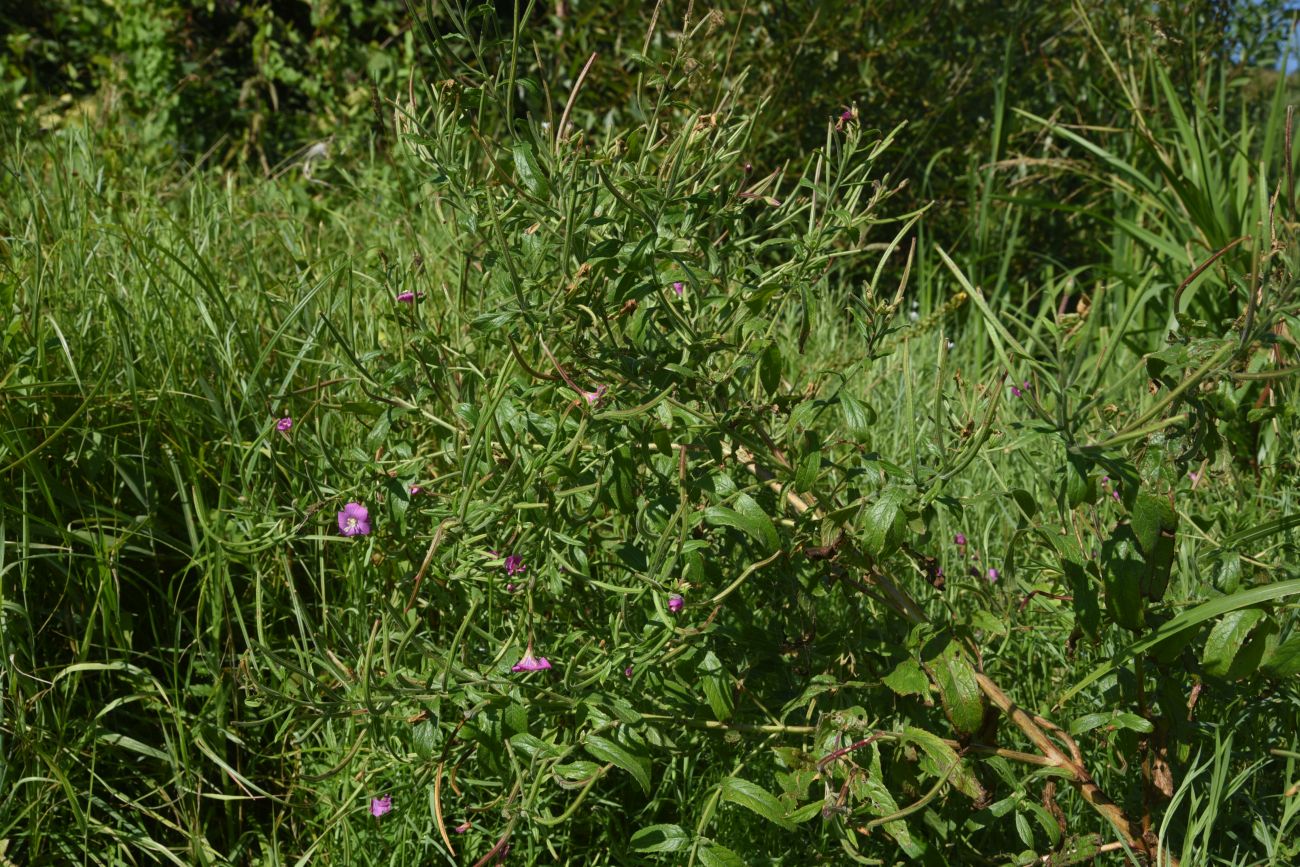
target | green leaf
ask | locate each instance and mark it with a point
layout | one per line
(530, 173)
(1123, 573)
(716, 855)
(938, 757)
(1155, 524)
(1087, 611)
(379, 432)
(1284, 661)
(858, 417)
(1125, 720)
(806, 812)
(1151, 516)
(1186, 620)
(907, 678)
(1262, 531)
(805, 477)
(749, 518)
(884, 522)
(1079, 486)
(754, 797)
(769, 369)
(621, 757)
(1227, 638)
(660, 838)
(716, 685)
(963, 703)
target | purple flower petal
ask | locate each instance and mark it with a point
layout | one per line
(678, 287)
(675, 603)
(380, 806)
(959, 540)
(994, 574)
(284, 424)
(409, 297)
(531, 663)
(354, 520)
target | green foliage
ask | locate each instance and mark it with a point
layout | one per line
(625, 369)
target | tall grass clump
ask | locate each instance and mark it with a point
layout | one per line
(565, 479)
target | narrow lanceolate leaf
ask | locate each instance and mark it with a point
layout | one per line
(754, 797)
(1188, 619)
(749, 518)
(608, 751)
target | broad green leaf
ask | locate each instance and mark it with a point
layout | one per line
(907, 678)
(1152, 514)
(754, 797)
(621, 757)
(530, 173)
(858, 417)
(716, 855)
(1123, 573)
(1284, 661)
(958, 690)
(938, 757)
(660, 838)
(1227, 638)
(1090, 721)
(883, 522)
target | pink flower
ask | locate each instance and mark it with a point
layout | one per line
(675, 603)
(409, 297)
(678, 287)
(415, 489)
(284, 424)
(959, 540)
(627, 672)
(594, 398)
(994, 574)
(531, 663)
(380, 806)
(515, 565)
(354, 520)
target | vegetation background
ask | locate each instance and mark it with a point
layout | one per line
(879, 415)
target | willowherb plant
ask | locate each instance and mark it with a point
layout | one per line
(661, 565)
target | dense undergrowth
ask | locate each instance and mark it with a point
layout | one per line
(841, 543)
